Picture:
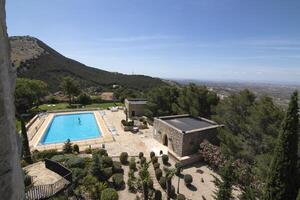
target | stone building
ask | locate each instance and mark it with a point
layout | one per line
(135, 107)
(182, 134)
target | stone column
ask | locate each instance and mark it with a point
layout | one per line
(11, 176)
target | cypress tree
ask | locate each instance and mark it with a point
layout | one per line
(282, 180)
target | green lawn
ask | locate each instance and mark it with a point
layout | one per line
(63, 106)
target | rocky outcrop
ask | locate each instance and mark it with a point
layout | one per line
(11, 177)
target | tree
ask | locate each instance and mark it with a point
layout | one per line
(161, 101)
(70, 87)
(68, 148)
(169, 176)
(145, 179)
(28, 92)
(282, 180)
(196, 101)
(224, 191)
(84, 99)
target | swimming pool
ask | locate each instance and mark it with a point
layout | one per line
(75, 127)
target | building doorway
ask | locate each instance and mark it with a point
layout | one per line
(165, 140)
(133, 113)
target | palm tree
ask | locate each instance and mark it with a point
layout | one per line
(145, 178)
(170, 172)
(70, 87)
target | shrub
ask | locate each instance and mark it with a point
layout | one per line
(59, 158)
(152, 154)
(188, 179)
(68, 148)
(141, 155)
(88, 150)
(89, 181)
(109, 194)
(157, 195)
(124, 158)
(132, 164)
(107, 161)
(156, 165)
(180, 197)
(41, 155)
(150, 183)
(76, 148)
(172, 191)
(158, 174)
(118, 180)
(143, 160)
(125, 123)
(163, 182)
(84, 99)
(131, 185)
(117, 167)
(165, 159)
(75, 162)
(178, 168)
(100, 152)
(154, 159)
(107, 173)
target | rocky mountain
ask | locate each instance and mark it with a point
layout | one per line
(36, 60)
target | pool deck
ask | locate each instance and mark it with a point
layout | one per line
(40, 125)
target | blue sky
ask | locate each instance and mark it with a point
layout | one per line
(245, 40)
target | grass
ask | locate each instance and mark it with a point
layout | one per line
(63, 106)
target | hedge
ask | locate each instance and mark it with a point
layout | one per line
(118, 180)
(188, 179)
(165, 158)
(75, 162)
(154, 159)
(163, 182)
(141, 154)
(158, 174)
(107, 161)
(109, 194)
(132, 164)
(152, 154)
(117, 167)
(76, 148)
(156, 165)
(157, 195)
(180, 197)
(124, 158)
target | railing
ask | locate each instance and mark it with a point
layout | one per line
(41, 117)
(46, 191)
(59, 169)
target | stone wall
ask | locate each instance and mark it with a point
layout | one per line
(174, 136)
(191, 141)
(11, 176)
(183, 144)
(139, 109)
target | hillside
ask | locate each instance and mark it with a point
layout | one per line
(36, 60)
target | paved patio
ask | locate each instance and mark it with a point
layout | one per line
(41, 175)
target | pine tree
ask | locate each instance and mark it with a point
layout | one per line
(225, 185)
(282, 180)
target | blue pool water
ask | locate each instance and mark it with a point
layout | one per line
(71, 126)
